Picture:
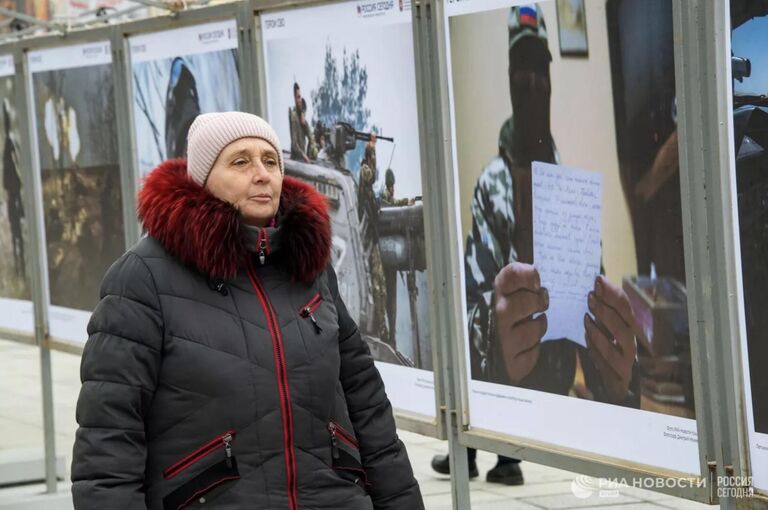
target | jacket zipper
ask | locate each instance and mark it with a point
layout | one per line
(263, 246)
(340, 433)
(224, 440)
(309, 309)
(283, 389)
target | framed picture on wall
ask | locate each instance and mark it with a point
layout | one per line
(572, 28)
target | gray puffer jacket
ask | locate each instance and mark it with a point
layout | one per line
(223, 375)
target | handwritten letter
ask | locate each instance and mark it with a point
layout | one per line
(567, 206)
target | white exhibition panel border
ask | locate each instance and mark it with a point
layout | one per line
(18, 315)
(409, 389)
(7, 67)
(70, 57)
(191, 40)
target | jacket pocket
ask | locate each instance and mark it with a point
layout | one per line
(345, 451)
(222, 441)
(308, 311)
(205, 487)
(208, 484)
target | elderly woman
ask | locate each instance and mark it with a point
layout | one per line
(223, 368)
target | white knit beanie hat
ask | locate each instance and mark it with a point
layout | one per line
(211, 132)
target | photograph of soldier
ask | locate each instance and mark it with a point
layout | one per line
(303, 146)
(13, 225)
(82, 201)
(390, 274)
(749, 21)
(368, 213)
(169, 93)
(348, 125)
(562, 113)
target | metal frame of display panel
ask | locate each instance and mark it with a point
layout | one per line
(704, 109)
(434, 114)
(37, 233)
(719, 206)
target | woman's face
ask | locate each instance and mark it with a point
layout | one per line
(247, 175)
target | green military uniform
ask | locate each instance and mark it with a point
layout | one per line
(490, 246)
(302, 141)
(390, 275)
(389, 199)
(370, 157)
(367, 206)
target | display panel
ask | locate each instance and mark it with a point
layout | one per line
(77, 149)
(567, 174)
(15, 294)
(177, 75)
(341, 93)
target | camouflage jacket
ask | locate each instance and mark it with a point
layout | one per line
(367, 205)
(302, 142)
(388, 199)
(490, 247)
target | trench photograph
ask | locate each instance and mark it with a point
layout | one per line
(82, 202)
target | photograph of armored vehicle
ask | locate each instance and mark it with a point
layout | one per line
(358, 229)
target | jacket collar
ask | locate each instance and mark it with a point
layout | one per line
(205, 233)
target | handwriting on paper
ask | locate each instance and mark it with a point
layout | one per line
(567, 205)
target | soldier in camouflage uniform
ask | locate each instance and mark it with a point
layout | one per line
(502, 235)
(368, 207)
(390, 275)
(370, 155)
(12, 186)
(388, 198)
(502, 286)
(302, 142)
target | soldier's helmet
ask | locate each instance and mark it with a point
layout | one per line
(389, 178)
(527, 21)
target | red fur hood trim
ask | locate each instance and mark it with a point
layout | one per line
(205, 233)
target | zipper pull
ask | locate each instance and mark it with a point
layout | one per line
(228, 449)
(334, 444)
(308, 313)
(262, 254)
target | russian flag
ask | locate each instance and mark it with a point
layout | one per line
(528, 16)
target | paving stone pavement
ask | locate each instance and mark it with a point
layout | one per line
(545, 488)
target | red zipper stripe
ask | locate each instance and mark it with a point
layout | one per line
(346, 436)
(290, 458)
(283, 388)
(198, 454)
(313, 304)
